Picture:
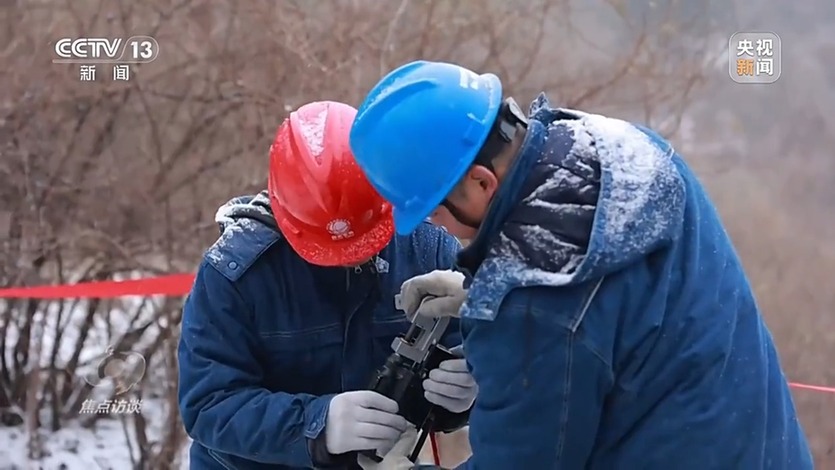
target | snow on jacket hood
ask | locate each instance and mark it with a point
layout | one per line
(256, 207)
(586, 196)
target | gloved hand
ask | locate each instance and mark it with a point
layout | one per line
(362, 420)
(439, 293)
(451, 386)
(397, 458)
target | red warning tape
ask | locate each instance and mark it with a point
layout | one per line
(170, 285)
(816, 388)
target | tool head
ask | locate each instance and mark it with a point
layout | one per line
(423, 335)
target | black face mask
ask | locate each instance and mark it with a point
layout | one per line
(504, 130)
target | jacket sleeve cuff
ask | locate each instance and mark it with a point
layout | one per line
(448, 421)
(321, 458)
(315, 416)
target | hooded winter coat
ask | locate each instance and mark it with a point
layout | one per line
(609, 322)
(268, 339)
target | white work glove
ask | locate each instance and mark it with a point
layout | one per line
(397, 458)
(436, 294)
(362, 420)
(451, 386)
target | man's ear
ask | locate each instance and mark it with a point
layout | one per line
(485, 178)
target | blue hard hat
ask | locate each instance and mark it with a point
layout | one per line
(419, 130)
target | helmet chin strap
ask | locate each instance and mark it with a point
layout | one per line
(459, 216)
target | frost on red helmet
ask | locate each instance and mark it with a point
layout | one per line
(322, 202)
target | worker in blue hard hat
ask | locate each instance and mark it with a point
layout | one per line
(606, 317)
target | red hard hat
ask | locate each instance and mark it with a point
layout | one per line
(323, 204)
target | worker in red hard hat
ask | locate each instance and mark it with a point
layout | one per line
(293, 311)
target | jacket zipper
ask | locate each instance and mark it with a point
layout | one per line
(357, 270)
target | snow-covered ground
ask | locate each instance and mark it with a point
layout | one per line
(107, 445)
(72, 448)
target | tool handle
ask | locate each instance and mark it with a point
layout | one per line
(424, 433)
